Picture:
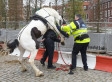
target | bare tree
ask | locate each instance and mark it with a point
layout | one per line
(2, 9)
(41, 2)
(28, 12)
(56, 1)
(35, 5)
(15, 12)
(63, 6)
(3, 13)
(98, 15)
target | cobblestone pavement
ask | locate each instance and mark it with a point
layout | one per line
(10, 72)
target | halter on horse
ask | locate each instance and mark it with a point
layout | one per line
(27, 37)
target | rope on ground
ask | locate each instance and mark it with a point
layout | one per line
(63, 67)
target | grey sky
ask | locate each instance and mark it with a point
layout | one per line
(52, 2)
(47, 2)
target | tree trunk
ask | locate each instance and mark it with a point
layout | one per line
(35, 5)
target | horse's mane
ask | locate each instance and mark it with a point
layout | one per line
(50, 11)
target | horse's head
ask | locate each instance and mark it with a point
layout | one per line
(60, 20)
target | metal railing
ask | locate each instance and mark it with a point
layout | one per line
(100, 42)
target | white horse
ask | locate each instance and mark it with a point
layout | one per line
(27, 37)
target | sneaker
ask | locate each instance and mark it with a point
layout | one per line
(51, 67)
(42, 62)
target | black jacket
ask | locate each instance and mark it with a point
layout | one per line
(51, 35)
(80, 23)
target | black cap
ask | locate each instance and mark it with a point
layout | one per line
(78, 15)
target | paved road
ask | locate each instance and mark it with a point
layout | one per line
(10, 72)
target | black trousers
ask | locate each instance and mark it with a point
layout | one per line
(49, 45)
(82, 48)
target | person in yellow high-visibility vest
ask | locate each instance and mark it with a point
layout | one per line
(78, 29)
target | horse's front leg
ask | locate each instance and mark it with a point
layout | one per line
(31, 61)
(61, 36)
(62, 39)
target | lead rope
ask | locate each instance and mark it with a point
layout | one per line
(62, 67)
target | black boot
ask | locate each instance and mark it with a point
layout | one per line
(42, 62)
(71, 72)
(51, 67)
(86, 68)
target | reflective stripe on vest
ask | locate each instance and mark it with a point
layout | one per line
(75, 35)
(78, 24)
(81, 33)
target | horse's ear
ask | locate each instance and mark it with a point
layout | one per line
(64, 22)
(62, 16)
(60, 20)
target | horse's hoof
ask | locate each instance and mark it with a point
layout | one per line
(24, 70)
(39, 74)
(62, 43)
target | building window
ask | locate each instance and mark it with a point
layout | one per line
(105, 13)
(86, 16)
(105, 5)
(108, 13)
(85, 7)
(101, 14)
(109, 4)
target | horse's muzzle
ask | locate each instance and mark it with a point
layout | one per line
(62, 43)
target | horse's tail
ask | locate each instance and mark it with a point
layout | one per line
(13, 45)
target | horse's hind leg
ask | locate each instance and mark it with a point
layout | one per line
(21, 61)
(31, 60)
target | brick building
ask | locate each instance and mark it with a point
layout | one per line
(105, 10)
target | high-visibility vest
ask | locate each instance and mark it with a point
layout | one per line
(71, 29)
